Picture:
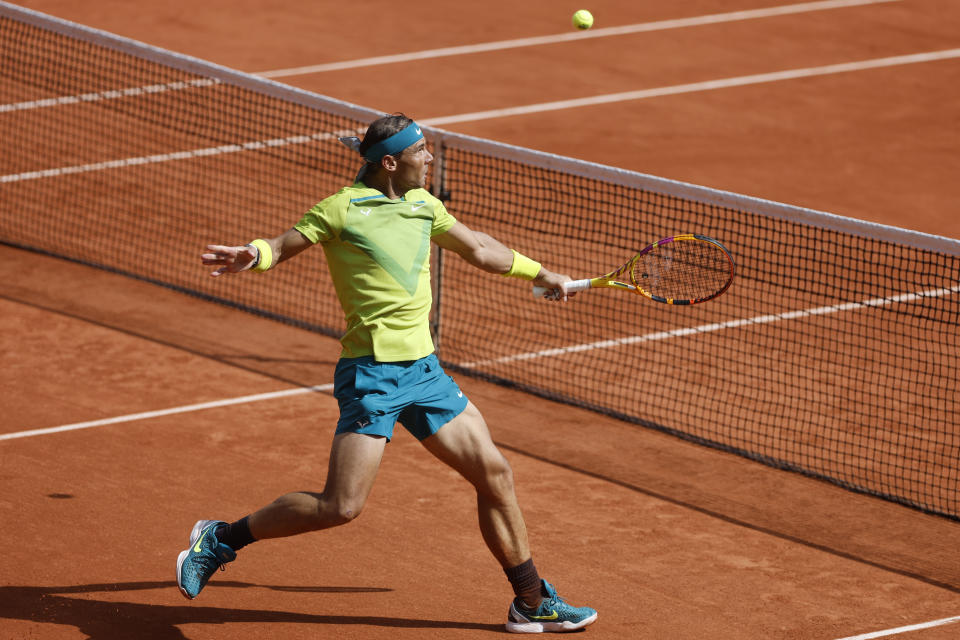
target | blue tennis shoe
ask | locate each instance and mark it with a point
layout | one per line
(202, 558)
(553, 614)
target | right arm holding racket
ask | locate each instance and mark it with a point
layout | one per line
(489, 254)
(682, 269)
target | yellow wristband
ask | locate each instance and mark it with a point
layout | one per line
(523, 267)
(266, 256)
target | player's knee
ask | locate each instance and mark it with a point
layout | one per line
(348, 512)
(498, 481)
(340, 512)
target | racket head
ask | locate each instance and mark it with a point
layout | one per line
(683, 269)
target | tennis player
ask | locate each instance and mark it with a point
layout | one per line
(376, 235)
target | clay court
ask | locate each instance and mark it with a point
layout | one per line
(666, 539)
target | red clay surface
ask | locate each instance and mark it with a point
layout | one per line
(666, 539)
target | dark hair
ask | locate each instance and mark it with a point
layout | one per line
(383, 128)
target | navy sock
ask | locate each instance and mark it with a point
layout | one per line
(236, 535)
(525, 582)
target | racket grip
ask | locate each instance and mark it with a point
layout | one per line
(568, 287)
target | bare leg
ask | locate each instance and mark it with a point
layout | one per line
(465, 444)
(354, 462)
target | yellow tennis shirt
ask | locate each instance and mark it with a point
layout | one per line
(378, 252)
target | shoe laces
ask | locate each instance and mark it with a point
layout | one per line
(554, 602)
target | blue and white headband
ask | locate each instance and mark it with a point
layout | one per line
(393, 145)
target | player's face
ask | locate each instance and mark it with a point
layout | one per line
(413, 165)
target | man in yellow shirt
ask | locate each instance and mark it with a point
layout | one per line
(376, 236)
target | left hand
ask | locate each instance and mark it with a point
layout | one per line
(231, 259)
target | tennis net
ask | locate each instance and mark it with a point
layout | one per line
(834, 354)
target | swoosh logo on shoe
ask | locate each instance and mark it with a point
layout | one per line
(553, 616)
(196, 549)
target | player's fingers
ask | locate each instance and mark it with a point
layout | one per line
(554, 294)
(221, 248)
(561, 295)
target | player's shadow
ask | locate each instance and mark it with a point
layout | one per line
(110, 619)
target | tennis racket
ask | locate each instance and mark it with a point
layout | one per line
(683, 269)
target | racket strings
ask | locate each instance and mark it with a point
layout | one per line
(683, 270)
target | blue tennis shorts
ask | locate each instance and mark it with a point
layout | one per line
(374, 396)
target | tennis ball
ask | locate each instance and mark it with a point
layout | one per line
(582, 19)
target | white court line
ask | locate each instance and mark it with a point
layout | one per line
(572, 35)
(167, 412)
(707, 328)
(709, 85)
(176, 155)
(899, 630)
(500, 113)
(99, 96)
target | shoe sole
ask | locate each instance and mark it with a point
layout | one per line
(546, 627)
(194, 536)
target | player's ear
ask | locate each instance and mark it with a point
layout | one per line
(389, 163)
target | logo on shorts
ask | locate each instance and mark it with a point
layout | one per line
(362, 422)
(459, 394)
